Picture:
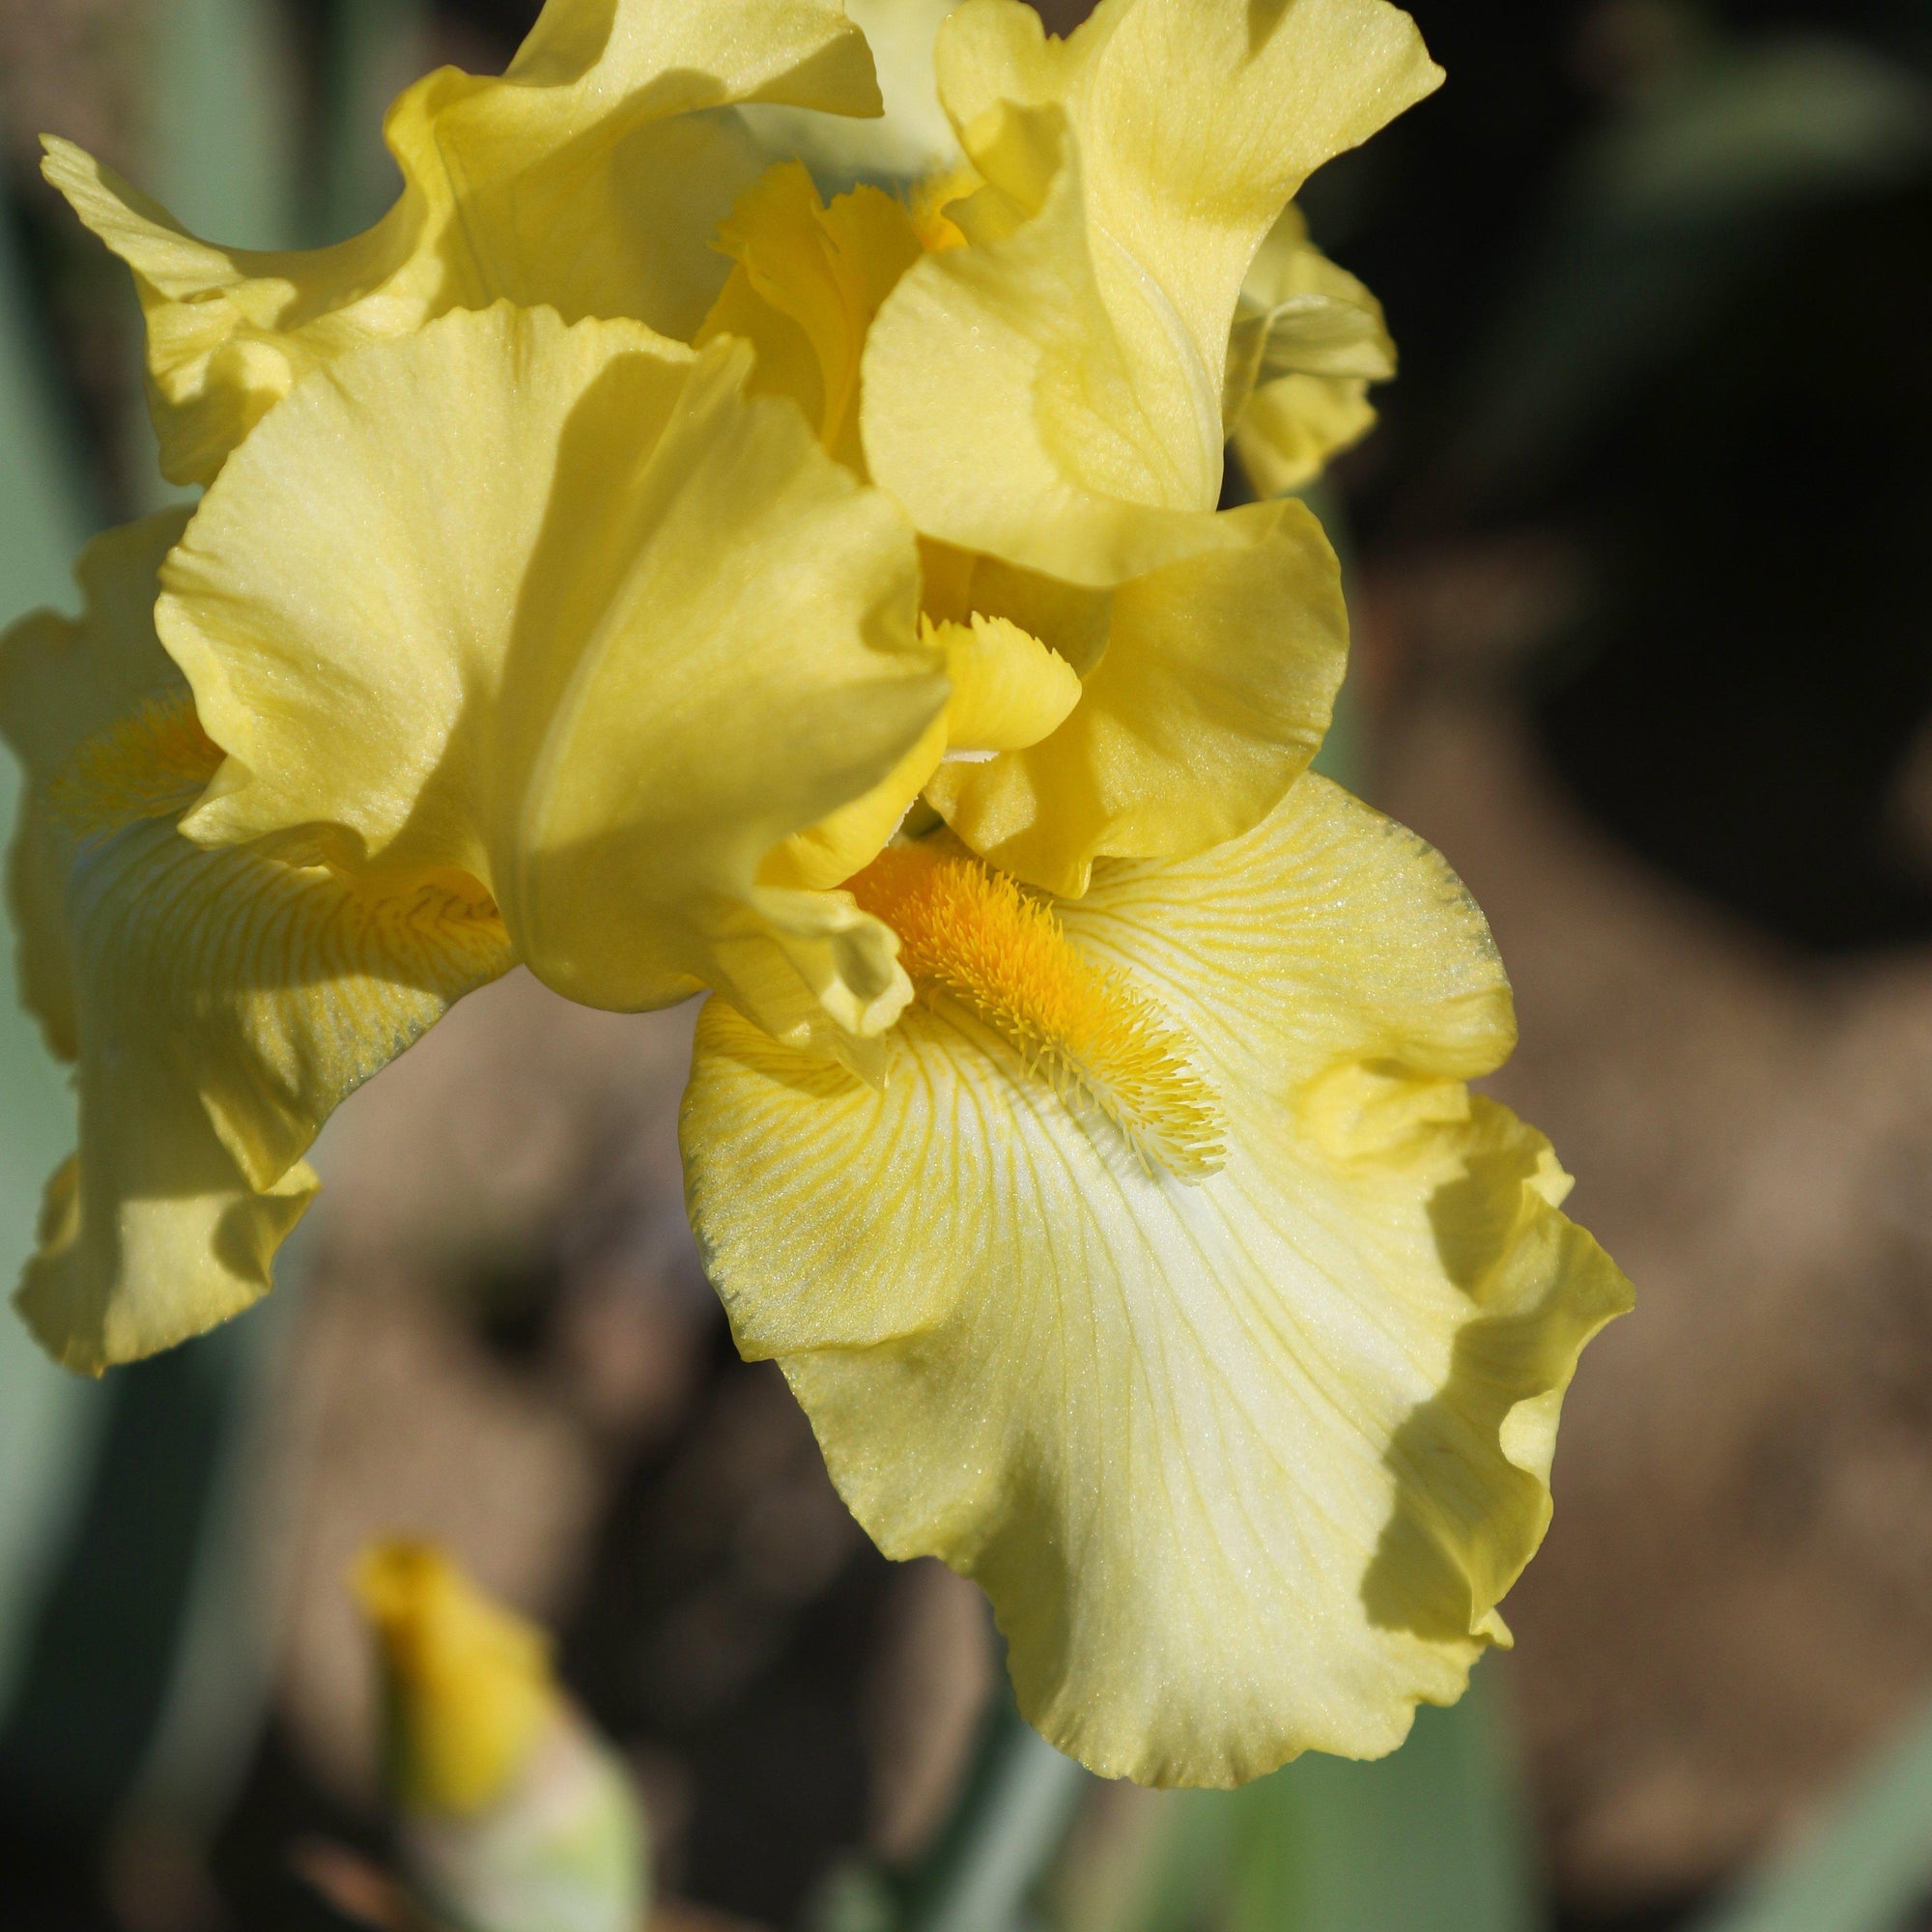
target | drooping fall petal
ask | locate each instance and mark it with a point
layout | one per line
(217, 1005)
(1172, 1285)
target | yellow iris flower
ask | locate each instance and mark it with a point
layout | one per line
(591, 177)
(1100, 1168)
(1171, 1284)
(507, 639)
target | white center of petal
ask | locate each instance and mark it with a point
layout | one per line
(969, 934)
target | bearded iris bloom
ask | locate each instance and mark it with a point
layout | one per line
(1083, 1123)
(1171, 1284)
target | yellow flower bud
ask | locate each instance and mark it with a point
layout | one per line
(468, 1683)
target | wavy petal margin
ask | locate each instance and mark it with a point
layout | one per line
(217, 1005)
(591, 177)
(1213, 693)
(1052, 394)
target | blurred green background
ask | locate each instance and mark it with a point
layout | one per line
(1643, 642)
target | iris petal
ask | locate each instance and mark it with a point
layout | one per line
(591, 177)
(808, 280)
(1211, 695)
(1308, 340)
(218, 1004)
(559, 611)
(1052, 394)
(1244, 1461)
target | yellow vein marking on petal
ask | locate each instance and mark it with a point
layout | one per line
(968, 933)
(154, 761)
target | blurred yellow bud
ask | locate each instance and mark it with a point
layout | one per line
(468, 1683)
(516, 1814)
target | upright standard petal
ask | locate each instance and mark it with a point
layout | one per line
(218, 1004)
(591, 177)
(1172, 1285)
(558, 611)
(1052, 393)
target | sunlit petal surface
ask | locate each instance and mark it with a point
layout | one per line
(560, 611)
(1212, 693)
(1053, 393)
(1173, 1283)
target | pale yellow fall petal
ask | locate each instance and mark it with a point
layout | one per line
(218, 1004)
(1052, 394)
(556, 609)
(1213, 694)
(60, 686)
(1245, 1453)
(824, 271)
(590, 178)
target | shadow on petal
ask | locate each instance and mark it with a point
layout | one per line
(1472, 1462)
